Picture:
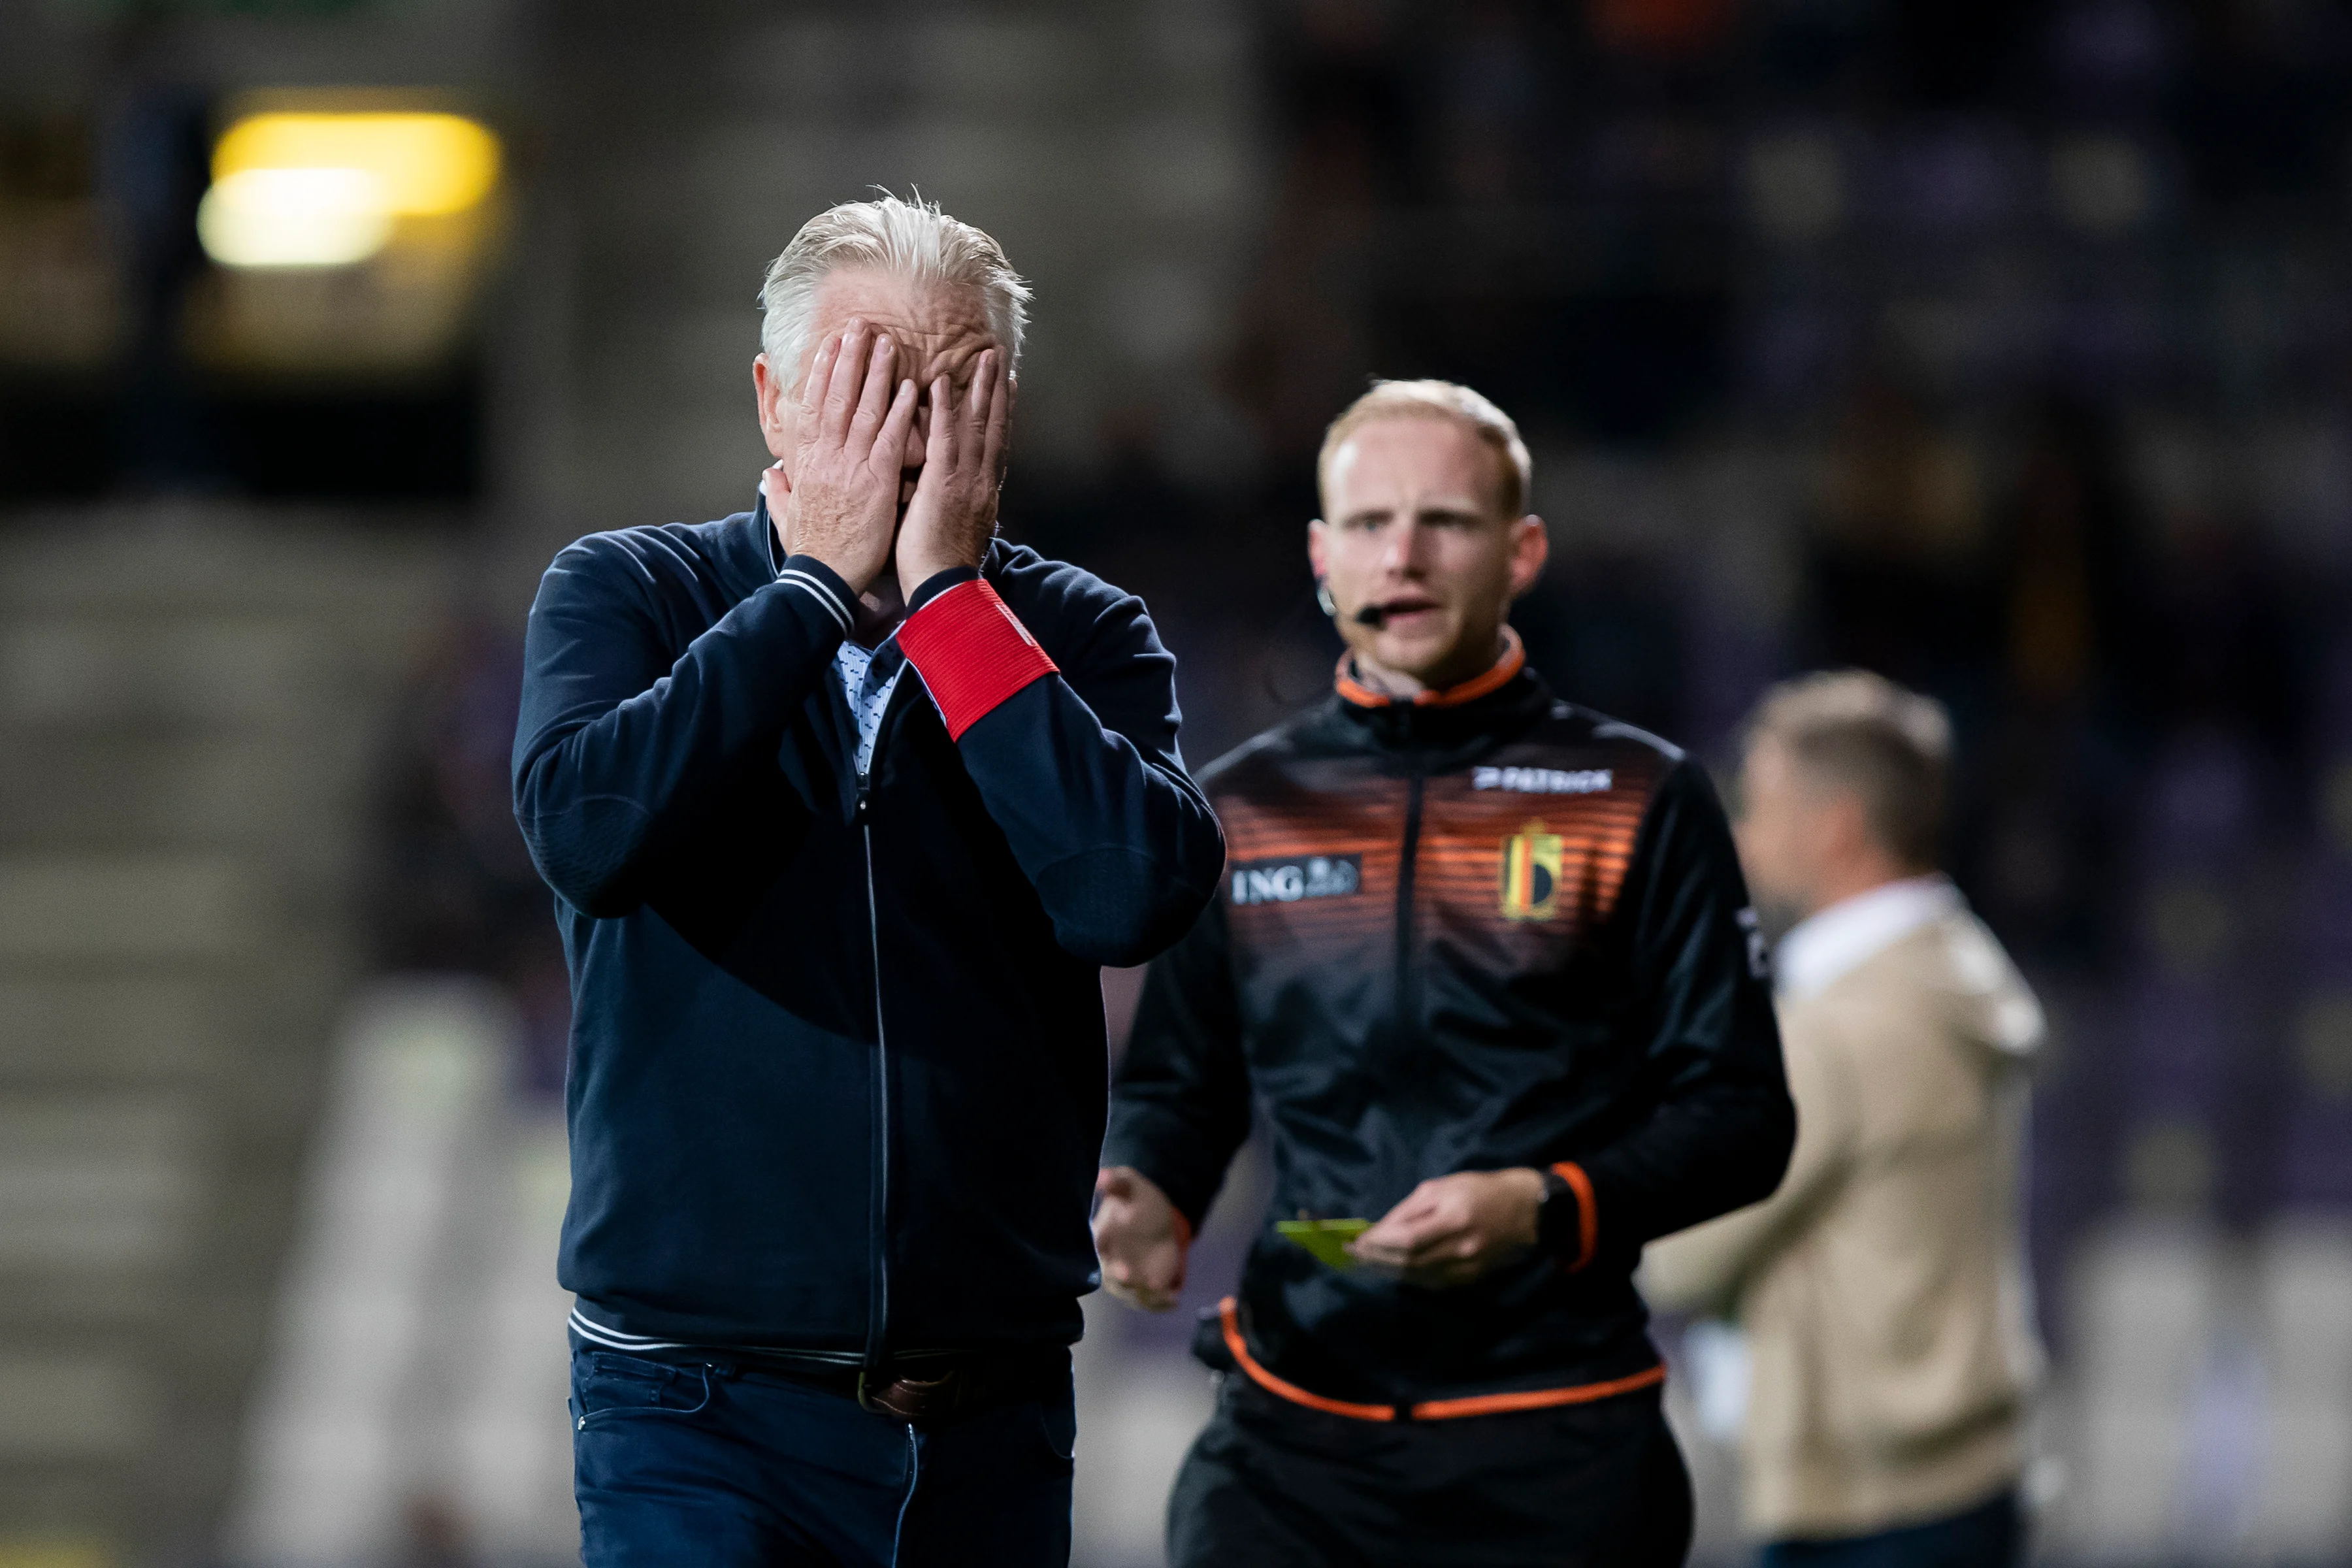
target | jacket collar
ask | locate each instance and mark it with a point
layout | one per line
(763, 528)
(747, 548)
(1514, 658)
(1444, 728)
(1831, 944)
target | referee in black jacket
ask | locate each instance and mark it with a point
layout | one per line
(1485, 961)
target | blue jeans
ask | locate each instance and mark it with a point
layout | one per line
(728, 1469)
(1989, 1535)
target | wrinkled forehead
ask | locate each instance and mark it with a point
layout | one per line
(940, 329)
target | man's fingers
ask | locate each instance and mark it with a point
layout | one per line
(890, 441)
(1145, 1274)
(1390, 1239)
(1000, 419)
(1445, 1251)
(940, 441)
(1398, 1241)
(1141, 1296)
(976, 400)
(1453, 1259)
(874, 398)
(1432, 1243)
(971, 436)
(1427, 1234)
(848, 379)
(1409, 1218)
(819, 377)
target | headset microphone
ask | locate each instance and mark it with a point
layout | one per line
(1372, 615)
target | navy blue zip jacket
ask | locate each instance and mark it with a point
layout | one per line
(837, 1078)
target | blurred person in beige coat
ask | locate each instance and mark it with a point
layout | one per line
(1883, 1289)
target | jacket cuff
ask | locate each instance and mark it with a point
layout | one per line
(822, 584)
(939, 582)
(971, 652)
(1571, 1221)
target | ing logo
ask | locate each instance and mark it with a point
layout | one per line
(1531, 874)
(1287, 882)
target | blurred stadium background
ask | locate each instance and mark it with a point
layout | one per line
(2002, 347)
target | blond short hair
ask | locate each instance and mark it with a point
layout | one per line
(1436, 400)
(911, 239)
(1859, 733)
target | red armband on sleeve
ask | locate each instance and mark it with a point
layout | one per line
(971, 652)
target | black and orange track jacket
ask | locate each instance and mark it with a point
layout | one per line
(1481, 930)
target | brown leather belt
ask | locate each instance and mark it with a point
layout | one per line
(923, 1389)
(961, 1387)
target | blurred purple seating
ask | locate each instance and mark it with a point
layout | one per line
(2200, 805)
(2106, 52)
(1957, 178)
(2327, 916)
(2315, 1155)
(2180, 1058)
(2332, 713)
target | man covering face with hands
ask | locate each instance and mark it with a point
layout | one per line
(844, 802)
(891, 448)
(1483, 962)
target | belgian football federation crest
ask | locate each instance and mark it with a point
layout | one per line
(1531, 859)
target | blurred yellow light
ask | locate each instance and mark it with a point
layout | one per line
(295, 217)
(430, 165)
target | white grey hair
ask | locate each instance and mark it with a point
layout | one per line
(913, 239)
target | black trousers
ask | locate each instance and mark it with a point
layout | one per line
(1584, 1486)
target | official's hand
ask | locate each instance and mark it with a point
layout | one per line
(952, 515)
(1453, 1230)
(841, 503)
(1136, 1238)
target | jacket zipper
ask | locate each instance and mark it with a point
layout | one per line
(1408, 983)
(1407, 1029)
(878, 1313)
